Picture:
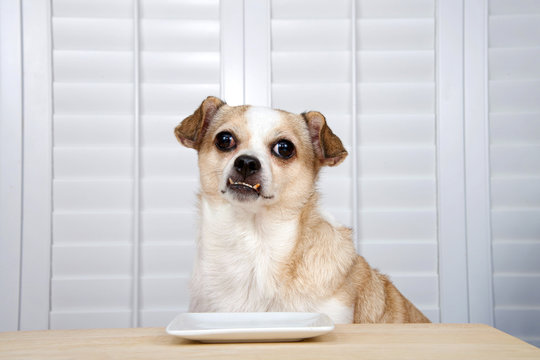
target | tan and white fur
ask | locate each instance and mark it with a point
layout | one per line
(264, 244)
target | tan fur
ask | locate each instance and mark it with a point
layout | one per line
(322, 263)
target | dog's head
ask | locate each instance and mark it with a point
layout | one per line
(256, 156)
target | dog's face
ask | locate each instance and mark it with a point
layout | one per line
(252, 156)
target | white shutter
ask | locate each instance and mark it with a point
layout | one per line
(93, 164)
(180, 66)
(514, 110)
(127, 71)
(396, 131)
(395, 122)
(98, 198)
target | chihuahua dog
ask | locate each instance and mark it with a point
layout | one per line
(264, 244)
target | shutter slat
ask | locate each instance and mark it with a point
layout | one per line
(395, 9)
(515, 96)
(386, 161)
(372, 66)
(331, 9)
(504, 7)
(93, 162)
(396, 66)
(158, 131)
(91, 293)
(396, 130)
(161, 162)
(179, 35)
(93, 66)
(514, 31)
(516, 289)
(87, 227)
(514, 129)
(311, 9)
(97, 130)
(515, 192)
(396, 98)
(168, 259)
(515, 159)
(168, 99)
(332, 98)
(169, 193)
(310, 67)
(174, 226)
(92, 98)
(516, 256)
(92, 195)
(92, 34)
(515, 223)
(180, 9)
(93, 8)
(84, 319)
(397, 193)
(164, 292)
(311, 35)
(407, 224)
(72, 261)
(175, 67)
(395, 34)
(514, 64)
(390, 257)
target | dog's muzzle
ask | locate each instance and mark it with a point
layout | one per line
(244, 182)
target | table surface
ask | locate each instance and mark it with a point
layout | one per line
(374, 341)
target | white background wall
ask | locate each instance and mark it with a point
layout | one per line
(436, 101)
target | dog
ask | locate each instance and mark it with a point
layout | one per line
(264, 244)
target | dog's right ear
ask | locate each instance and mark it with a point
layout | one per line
(191, 130)
(327, 146)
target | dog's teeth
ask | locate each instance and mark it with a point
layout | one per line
(254, 187)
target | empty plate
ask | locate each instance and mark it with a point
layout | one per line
(250, 327)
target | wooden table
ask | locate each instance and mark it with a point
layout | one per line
(417, 341)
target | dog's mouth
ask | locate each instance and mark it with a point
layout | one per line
(242, 186)
(243, 191)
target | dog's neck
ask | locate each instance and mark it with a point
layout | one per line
(272, 230)
(225, 220)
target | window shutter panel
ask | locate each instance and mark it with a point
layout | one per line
(514, 111)
(180, 66)
(93, 164)
(95, 123)
(395, 122)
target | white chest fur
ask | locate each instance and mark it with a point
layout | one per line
(240, 259)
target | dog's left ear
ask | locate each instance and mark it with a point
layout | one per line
(328, 147)
(191, 130)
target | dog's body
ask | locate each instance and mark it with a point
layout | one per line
(264, 245)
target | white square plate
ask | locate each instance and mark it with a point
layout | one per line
(250, 327)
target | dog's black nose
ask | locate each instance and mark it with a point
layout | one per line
(247, 165)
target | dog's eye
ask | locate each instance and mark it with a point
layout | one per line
(225, 141)
(283, 149)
